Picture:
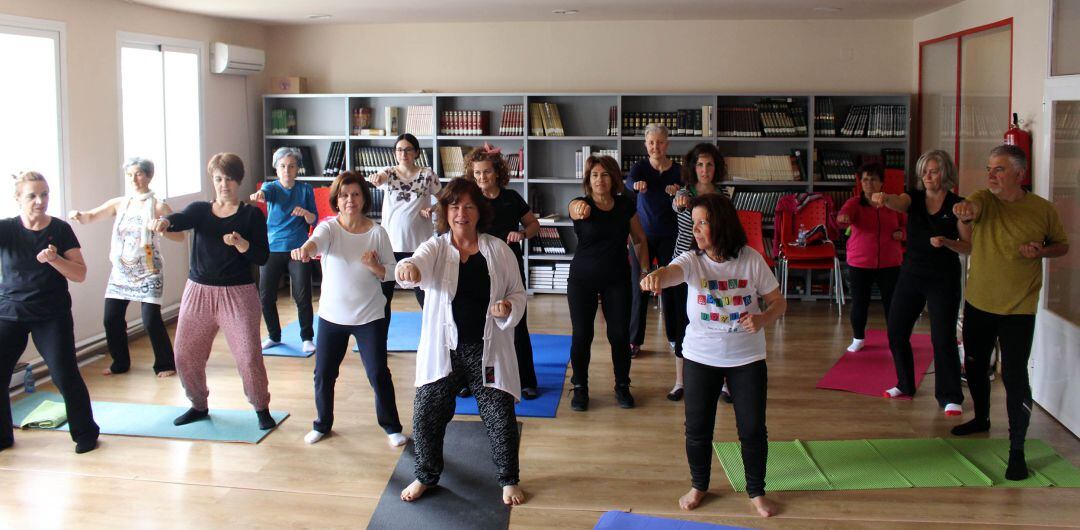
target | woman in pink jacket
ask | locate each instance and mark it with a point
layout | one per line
(874, 252)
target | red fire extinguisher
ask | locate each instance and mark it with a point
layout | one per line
(1022, 139)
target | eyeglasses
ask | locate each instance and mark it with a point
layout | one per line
(405, 150)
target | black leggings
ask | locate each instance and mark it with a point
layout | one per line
(660, 248)
(941, 296)
(388, 293)
(116, 335)
(55, 341)
(1014, 334)
(300, 282)
(581, 296)
(861, 282)
(330, 351)
(748, 386)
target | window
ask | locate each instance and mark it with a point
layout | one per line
(162, 114)
(31, 52)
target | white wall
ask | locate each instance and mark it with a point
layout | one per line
(231, 122)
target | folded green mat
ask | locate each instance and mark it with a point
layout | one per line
(47, 415)
(903, 463)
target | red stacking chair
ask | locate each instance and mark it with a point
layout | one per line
(322, 204)
(819, 256)
(751, 224)
(260, 205)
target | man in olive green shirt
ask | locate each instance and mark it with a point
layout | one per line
(1011, 230)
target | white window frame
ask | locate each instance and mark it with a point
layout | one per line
(57, 31)
(144, 40)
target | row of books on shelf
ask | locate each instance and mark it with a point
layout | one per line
(547, 241)
(764, 168)
(628, 161)
(824, 117)
(613, 121)
(512, 122)
(758, 201)
(549, 276)
(682, 122)
(464, 122)
(283, 121)
(452, 160)
(418, 120)
(875, 121)
(544, 120)
(837, 165)
(769, 117)
(580, 157)
(335, 160)
(371, 160)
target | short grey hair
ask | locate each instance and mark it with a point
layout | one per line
(656, 128)
(283, 152)
(948, 169)
(144, 165)
(1015, 154)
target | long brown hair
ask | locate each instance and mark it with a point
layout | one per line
(612, 167)
(728, 237)
(452, 193)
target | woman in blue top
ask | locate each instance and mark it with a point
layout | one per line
(290, 211)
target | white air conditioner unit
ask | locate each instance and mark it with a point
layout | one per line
(238, 60)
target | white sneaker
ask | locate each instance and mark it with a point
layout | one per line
(269, 343)
(952, 409)
(308, 346)
(397, 439)
(313, 436)
(856, 345)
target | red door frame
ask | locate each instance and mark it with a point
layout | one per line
(959, 36)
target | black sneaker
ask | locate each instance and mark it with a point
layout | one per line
(529, 393)
(635, 349)
(580, 401)
(622, 395)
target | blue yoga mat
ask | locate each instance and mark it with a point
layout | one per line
(155, 421)
(615, 520)
(404, 336)
(550, 355)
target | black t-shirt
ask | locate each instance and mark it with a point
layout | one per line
(212, 261)
(509, 209)
(30, 290)
(921, 257)
(601, 251)
(470, 305)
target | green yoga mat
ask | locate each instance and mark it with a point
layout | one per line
(886, 464)
(139, 419)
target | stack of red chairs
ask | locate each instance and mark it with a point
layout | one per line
(820, 256)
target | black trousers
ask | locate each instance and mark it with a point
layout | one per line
(660, 248)
(861, 282)
(614, 298)
(679, 294)
(388, 293)
(55, 341)
(299, 281)
(1014, 334)
(434, 407)
(522, 342)
(748, 385)
(330, 349)
(941, 296)
(116, 335)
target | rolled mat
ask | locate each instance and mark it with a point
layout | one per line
(870, 371)
(468, 494)
(155, 421)
(902, 463)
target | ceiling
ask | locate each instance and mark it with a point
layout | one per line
(412, 11)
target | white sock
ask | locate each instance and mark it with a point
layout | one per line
(893, 392)
(313, 437)
(308, 346)
(856, 345)
(952, 409)
(397, 439)
(269, 343)
(725, 390)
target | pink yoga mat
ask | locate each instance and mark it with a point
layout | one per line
(870, 371)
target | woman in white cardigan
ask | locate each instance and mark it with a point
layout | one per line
(473, 300)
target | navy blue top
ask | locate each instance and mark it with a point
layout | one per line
(212, 261)
(286, 231)
(31, 290)
(654, 204)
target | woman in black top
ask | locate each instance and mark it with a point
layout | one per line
(38, 255)
(229, 237)
(514, 223)
(930, 277)
(603, 219)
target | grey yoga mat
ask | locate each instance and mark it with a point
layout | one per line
(468, 495)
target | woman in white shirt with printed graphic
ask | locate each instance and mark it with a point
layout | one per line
(727, 282)
(356, 259)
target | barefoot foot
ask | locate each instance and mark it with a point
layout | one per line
(513, 495)
(764, 507)
(166, 373)
(692, 499)
(413, 491)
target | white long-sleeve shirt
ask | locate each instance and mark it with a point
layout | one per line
(352, 294)
(438, 261)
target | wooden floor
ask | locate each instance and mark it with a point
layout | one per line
(573, 467)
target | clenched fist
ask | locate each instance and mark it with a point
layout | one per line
(937, 241)
(751, 323)
(370, 258)
(580, 209)
(501, 309)
(76, 216)
(48, 254)
(640, 186)
(878, 199)
(234, 239)
(378, 179)
(965, 210)
(301, 254)
(651, 282)
(407, 272)
(1031, 250)
(159, 225)
(515, 236)
(258, 196)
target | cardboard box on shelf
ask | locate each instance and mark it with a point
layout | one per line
(288, 85)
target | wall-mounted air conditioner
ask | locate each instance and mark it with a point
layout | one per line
(233, 59)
